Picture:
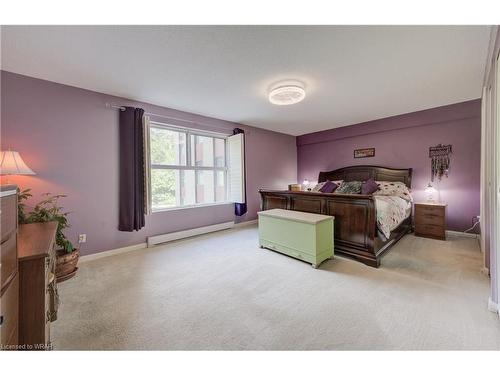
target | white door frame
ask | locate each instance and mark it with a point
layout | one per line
(491, 206)
(496, 127)
(490, 166)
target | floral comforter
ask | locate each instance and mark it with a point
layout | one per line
(391, 211)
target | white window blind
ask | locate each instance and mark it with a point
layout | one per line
(236, 146)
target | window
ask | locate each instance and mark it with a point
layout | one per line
(188, 168)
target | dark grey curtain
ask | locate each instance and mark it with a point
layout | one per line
(132, 215)
(240, 209)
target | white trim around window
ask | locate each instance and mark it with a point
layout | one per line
(187, 161)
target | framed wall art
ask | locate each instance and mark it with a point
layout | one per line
(364, 153)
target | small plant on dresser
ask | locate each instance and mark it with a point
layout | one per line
(48, 209)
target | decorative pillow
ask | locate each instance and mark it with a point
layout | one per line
(369, 187)
(393, 188)
(328, 187)
(351, 187)
(319, 186)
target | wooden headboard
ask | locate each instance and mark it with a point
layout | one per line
(364, 172)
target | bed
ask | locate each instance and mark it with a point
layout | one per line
(356, 232)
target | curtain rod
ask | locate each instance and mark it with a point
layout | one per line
(122, 108)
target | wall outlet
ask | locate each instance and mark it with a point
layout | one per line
(82, 238)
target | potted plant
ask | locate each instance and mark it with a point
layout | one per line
(46, 210)
(22, 196)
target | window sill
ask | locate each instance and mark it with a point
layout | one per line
(189, 207)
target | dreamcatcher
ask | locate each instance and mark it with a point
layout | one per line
(440, 160)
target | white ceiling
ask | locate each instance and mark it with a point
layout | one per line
(351, 73)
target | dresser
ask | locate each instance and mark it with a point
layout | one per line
(302, 235)
(9, 295)
(430, 220)
(38, 297)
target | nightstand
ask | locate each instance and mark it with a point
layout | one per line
(430, 220)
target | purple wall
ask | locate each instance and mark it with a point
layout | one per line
(70, 139)
(403, 142)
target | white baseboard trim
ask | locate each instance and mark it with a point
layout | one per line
(246, 223)
(162, 238)
(167, 238)
(461, 234)
(492, 306)
(108, 253)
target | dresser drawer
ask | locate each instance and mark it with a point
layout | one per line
(8, 215)
(9, 313)
(8, 258)
(37, 268)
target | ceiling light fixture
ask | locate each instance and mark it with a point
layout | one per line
(287, 94)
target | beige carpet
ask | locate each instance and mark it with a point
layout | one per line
(220, 291)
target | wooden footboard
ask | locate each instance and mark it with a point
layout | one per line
(355, 221)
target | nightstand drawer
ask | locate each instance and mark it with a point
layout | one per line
(427, 230)
(430, 219)
(429, 210)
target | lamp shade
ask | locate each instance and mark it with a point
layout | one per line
(12, 163)
(430, 189)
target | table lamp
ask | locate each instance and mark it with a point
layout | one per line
(430, 191)
(305, 184)
(11, 163)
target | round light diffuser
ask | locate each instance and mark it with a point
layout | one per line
(287, 94)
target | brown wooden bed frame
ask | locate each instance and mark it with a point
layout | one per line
(356, 233)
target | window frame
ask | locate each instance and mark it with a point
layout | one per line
(190, 165)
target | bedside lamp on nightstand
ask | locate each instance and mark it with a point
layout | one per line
(430, 216)
(430, 191)
(305, 185)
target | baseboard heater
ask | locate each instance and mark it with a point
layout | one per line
(162, 238)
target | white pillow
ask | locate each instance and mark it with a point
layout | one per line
(393, 188)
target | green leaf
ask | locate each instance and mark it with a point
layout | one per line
(46, 210)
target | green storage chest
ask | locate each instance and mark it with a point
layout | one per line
(302, 235)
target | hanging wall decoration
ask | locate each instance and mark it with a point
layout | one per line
(440, 160)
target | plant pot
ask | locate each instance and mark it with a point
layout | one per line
(66, 264)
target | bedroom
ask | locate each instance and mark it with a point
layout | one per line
(187, 224)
